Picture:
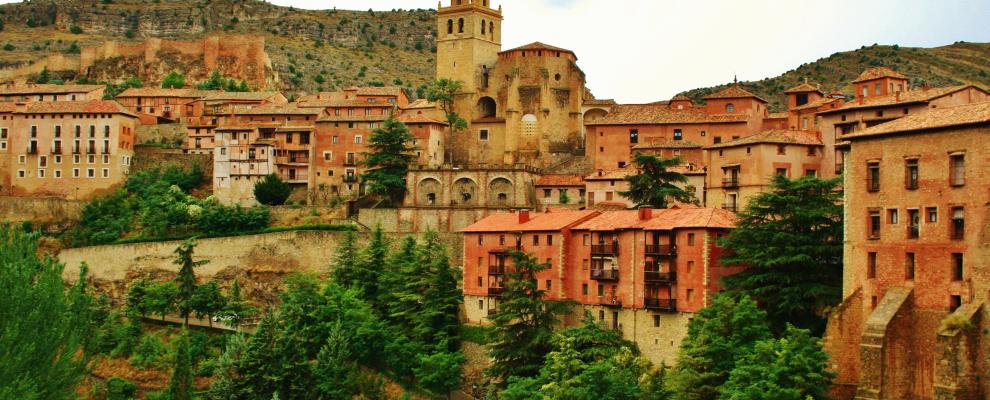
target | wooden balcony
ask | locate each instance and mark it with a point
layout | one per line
(660, 250)
(730, 207)
(496, 291)
(730, 182)
(660, 304)
(605, 274)
(610, 301)
(655, 276)
(605, 250)
(291, 160)
(496, 270)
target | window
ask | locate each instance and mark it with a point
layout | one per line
(932, 214)
(678, 135)
(106, 172)
(75, 172)
(871, 265)
(450, 26)
(873, 176)
(584, 264)
(358, 139)
(460, 25)
(954, 302)
(957, 170)
(730, 108)
(584, 289)
(781, 149)
(690, 266)
(911, 174)
(717, 140)
(690, 239)
(41, 173)
(586, 239)
(810, 172)
(811, 151)
(483, 134)
(874, 232)
(958, 223)
(866, 91)
(634, 136)
(549, 284)
(892, 216)
(914, 224)
(876, 89)
(957, 266)
(547, 193)
(622, 164)
(501, 240)
(58, 173)
(536, 240)
(804, 123)
(327, 155)
(481, 239)
(909, 262)
(781, 171)
(90, 172)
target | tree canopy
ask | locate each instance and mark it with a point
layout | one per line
(387, 163)
(174, 80)
(654, 185)
(272, 190)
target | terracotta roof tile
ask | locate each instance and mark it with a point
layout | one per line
(560, 180)
(877, 73)
(545, 221)
(967, 114)
(680, 97)
(599, 102)
(256, 96)
(279, 109)
(777, 115)
(906, 97)
(377, 91)
(324, 103)
(661, 219)
(610, 175)
(352, 118)
(418, 119)
(667, 144)
(537, 46)
(804, 88)
(815, 104)
(80, 107)
(7, 107)
(420, 103)
(733, 92)
(778, 136)
(645, 114)
(162, 92)
(47, 88)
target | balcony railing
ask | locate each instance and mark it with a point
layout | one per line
(350, 178)
(730, 207)
(605, 249)
(291, 160)
(730, 182)
(655, 276)
(496, 270)
(660, 250)
(660, 304)
(610, 301)
(605, 274)
(496, 291)
(913, 231)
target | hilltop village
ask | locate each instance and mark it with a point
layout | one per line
(540, 166)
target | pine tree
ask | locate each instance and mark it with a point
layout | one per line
(225, 386)
(333, 366)
(718, 336)
(387, 164)
(395, 294)
(344, 267)
(793, 367)
(135, 296)
(654, 185)
(373, 257)
(790, 240)
(186, 279)
(44, 76)
(257, 367)
(523, 325)
(181, 385)
(439, 321)
(236, 308)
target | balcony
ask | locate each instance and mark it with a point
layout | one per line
(655, 276)
(658, 250)
(32, 150)
(350, 162)
(492, 311)
(730, 182)
(57, 150)
(610, 301)
(730, 207)
(496, 291)
(605, 250)
(297, 178)
(291, 160)
(75, 150)
(605, 274)
(660, 304)
(496, 270)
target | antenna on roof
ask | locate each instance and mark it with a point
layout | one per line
(735, 78)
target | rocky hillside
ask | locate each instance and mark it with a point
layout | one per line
(959, 63)
(310, 50)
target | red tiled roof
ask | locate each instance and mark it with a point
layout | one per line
(352, 118)
(815, 104)
(410, 118)
(804, 88)
(778, 136)
(646, 114)
(661, 219)
(933, 118)
(162, 92)
(80, 107)
(680, 97)
(599, 102)
(560, 180)
(546, 221)
(733, 92)
(47, 88)
(537, 46)
(255, 96)
(420, 103)
(279, 109)
(6, 107)
(668, 144)
(877, 73)
(325, 103)
(377, 91)
(610, 175)
(906, 97)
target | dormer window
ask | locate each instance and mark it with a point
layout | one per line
(730, 108)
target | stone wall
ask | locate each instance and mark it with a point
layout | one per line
(160, 133)
(39, 209)
(150, 157)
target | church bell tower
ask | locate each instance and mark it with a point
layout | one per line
(469, 37)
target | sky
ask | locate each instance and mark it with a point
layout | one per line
(649, 50)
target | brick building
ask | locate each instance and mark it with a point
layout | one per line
(159, 104)
(643, 272)
(553, 189)
(916, 277)
(68, 149)
(50, 92)
(204, 114)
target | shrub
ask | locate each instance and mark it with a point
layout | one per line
(272, 191)
(218, 219)
(75, 30)
(120, 389)
(174, 80)
(8, 47)
(149, 352)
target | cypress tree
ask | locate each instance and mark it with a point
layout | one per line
(345, 264)
(181, 385)
(186, 279)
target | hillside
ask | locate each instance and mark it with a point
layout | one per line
(958, 63)
(309, 50)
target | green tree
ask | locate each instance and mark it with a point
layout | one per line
(237, 308)
(257, 369)
(718, 336)
(75, 29)
(45, 327)
(272, 190)
(388, 162)
(654, 184)
(214, 82)
(136, 293)
(345, 263)
(439, 322)
(208, 301)
(440, 372)
(120, 389)
(185, 281)
(174, 80)
(402, 288)
(333, 365)
(442, 92)
(793, 367)
(243, 87)
(44, 76)
(790, 240)
(523, 325)
(373, 257)
(180, 387)
(160, 299)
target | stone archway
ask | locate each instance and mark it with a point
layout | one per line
(501, 192)
(464, 192)
(594, 114)
(428, 192)
(487, 107)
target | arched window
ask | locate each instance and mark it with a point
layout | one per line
(487, 107)
(460, 25)
(483, 26)
(730, 108)
(450, 26)
(491, 28)
(529, 124)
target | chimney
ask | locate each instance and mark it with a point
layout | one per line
(645, 213)
(523, 216)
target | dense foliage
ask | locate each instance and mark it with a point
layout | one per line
(218, 82)
(272, 190)
(391, 153)
(442, 92)
(157, 204)
(44, 327)
(174, 80)
(654, 184)
(790, 239)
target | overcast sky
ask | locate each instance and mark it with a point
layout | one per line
(648, 50)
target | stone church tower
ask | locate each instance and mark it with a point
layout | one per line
(523, 106)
